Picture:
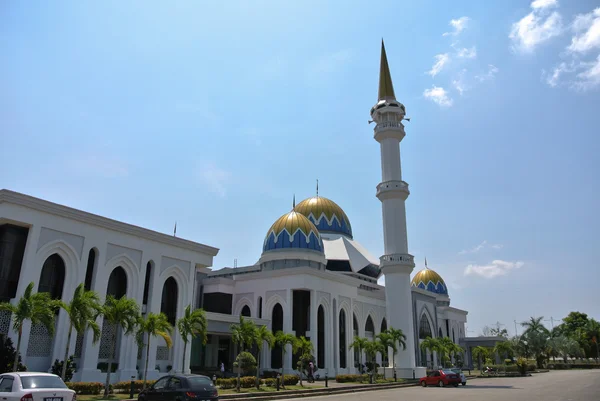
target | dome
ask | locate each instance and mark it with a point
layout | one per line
(429, 280)
(326, 215)
(293, 231)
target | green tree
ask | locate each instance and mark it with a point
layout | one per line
(536, 337)
(124, 313)
(303, 348)
(283, 339)
(243, 334)
(431, 344)
(39, 308)
(400, 340)
(83, 310)
(192, 324)
(480, 354)
(372, 348)
(447, 348)
(503, 349)
(263, 336)
(153, 325)
(359, 345)
(387, 341)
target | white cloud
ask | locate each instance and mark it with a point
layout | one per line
(215, 178)
(494, 269)
(439, 96)
(491, 74)
(467, 53)
(537, 27)
(587, 32)
(459, 25)
(576, 75)
(497, 246)
(459, 83)
(441, 61)
(479, 247)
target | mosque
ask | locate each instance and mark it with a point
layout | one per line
(313, 279)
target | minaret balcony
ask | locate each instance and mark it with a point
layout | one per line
(389, 129)
(397, 263)
(392, 189)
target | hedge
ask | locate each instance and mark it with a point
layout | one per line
(91, 388)
(351, 378)
(562, 365)
(250, 381)
(531, 367)
(137, 385)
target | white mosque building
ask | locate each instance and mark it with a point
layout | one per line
(313, 279)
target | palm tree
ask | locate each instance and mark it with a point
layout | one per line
(193, 323)
(387, 341)
(503, 348)
(304, 348)
(283, 339)
(536, 335)
(480, 353)
(431, 344)
(123, 312)
(153, 325)
(37, 307)
(263, 335)
(359, 345)
(83, 310)
(398, 338)
(534, 325)
(242, 334)
(372, 348)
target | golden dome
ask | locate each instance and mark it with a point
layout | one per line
(293, 230)
(325, 214)
(429, 280)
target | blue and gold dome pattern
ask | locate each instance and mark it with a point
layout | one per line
(429, 280)
(326, 215)
(293, 231)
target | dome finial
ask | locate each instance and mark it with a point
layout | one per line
(386, 88)
(294, 202)
(317, 187)
(426, 262)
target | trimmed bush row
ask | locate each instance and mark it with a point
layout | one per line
(250, 381)
(91, 388)
(351, 378)
(531, 367)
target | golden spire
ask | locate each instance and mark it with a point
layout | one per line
(386, 88)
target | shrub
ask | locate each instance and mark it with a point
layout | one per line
(351, 378)
(270, 382)
(246, 362)
(125, 386)
(226, 383)
(290, 380)
(91, 388)
(245, 382)
(58, 365)
(7, 356)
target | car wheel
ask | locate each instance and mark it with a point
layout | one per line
(455, 384)
(464, 383)
(423, 384)
(440, 384)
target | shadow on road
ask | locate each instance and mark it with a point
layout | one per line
(487, 386)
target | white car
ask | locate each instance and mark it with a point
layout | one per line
(463, 378)
(34, 386)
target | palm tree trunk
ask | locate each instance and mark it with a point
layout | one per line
(184, 351)
(239, 372)
(282, 363)
(146, 364)
(258, 369)
(110, 360)
(64, 367)
(16, 362)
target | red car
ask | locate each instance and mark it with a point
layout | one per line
(440, 378)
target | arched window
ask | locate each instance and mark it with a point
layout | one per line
(424, 327)
(321, 337)
(246, 311)
(147, 282)
(453, 338)
(356, 355)
(369, 326)
(383, 325)
(440, 331)
(89, 272)
(260, 307)
(52, 279)
(277, 325)
(117, 283)
(342, 332)
(168, 304)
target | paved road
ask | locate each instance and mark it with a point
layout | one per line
(579, 385)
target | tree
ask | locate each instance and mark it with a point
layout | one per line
(359, 345)
(123, 312)
(448, 347)
(431, 344)
(83, 310)
(372, 348)
(192, 324)
(398, 338)
(7, 356)
(69, 368)
(153, 325)
(536, 336)
(303, 348)
(387, 341)
(242, 334)
(283, 339)
(503, 349)
(263, 335)
(37, 307)
(480, 353)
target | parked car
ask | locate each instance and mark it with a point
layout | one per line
(441, 378)
(180, 388)
(463, 378)
(34, 386)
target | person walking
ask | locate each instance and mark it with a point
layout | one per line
(222, 370)
(311, 369)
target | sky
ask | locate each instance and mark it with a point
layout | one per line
(215, 114)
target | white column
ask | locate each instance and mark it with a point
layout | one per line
(287, 328)
(154, 300)
(314, 329)
(330, 349)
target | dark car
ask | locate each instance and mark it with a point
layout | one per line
(181, 388)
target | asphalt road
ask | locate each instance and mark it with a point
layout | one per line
(578, 385)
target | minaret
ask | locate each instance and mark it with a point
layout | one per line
(396, 263)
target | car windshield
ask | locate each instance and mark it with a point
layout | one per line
(31, 382)
(199, 382)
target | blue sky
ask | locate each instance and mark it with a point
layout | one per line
(214, 115)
